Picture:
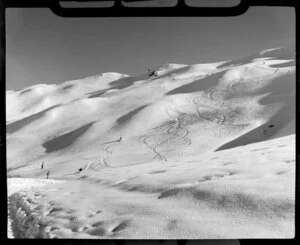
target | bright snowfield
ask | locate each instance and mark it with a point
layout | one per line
(198, 151)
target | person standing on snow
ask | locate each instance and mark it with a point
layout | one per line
(48, 173)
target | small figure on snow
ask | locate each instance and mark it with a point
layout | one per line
(152, 73)
(79, 170)
(120, 139)
(42, 166)
(48, 173)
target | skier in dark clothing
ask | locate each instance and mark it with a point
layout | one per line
(79, 170)
(152, 73)
(42, 166)
(48, 173)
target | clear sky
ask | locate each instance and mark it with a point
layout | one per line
(44, 48)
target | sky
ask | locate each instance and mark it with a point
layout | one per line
(44, 48)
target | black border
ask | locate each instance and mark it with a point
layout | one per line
(118, 10)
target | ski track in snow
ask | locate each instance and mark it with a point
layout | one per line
(95, 165)
(173, 132)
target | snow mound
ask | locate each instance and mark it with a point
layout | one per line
(36, 98)
(282, 53)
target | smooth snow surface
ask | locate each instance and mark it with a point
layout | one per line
(198, 151)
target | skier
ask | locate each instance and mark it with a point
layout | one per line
(120, 139)
(42, 166)
(79, 170)
(152, 73)
(48, 173)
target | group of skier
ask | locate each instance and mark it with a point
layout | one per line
(48, 172)
(151, 73)
(80, 169)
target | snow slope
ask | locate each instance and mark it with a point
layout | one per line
(21, 184)
(163, 140)
(244, 192)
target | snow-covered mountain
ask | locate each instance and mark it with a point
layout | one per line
(115, 127)
(185, 109)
